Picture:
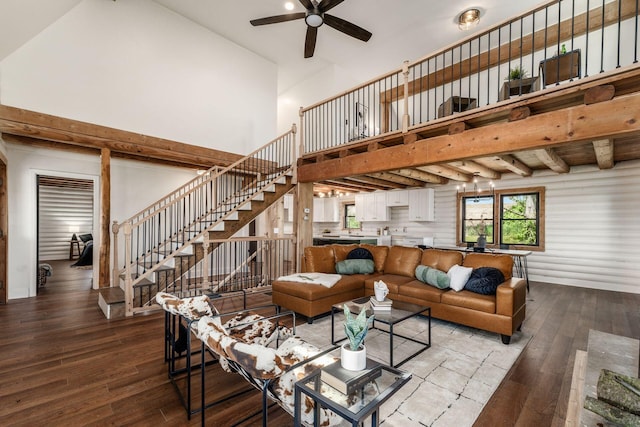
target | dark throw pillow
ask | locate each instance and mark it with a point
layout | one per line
(484, 280)
(86, 237)
(432, 276)
(355, 266)
(360, 253)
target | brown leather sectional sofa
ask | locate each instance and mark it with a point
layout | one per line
(502, 313)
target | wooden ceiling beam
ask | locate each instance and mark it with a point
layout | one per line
(514, 165)
(386, 176)
(376, 183)
(618, 117)
(446, 172)
(603, 149)
(22, 122)
(476, 168)
(421, 175)
(52, 145)
(354, 185)
(552, 160)
(338, 186)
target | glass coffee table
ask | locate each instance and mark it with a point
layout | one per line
(354, 408)
(400, 311)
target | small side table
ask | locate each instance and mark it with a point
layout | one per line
(323, 395)
(74, 244)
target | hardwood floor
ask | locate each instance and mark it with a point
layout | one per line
(63, 363)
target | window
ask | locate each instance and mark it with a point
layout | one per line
(349, 220)
(508, 218)
(519, 219)
(478, 219)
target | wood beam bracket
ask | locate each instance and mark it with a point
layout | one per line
(459, 127)
(600, 93)
(410, 138)
(519, 113)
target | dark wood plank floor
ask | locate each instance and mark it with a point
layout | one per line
(63, 363)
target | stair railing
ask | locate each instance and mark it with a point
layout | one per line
(153, 236)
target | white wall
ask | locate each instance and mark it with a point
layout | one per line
(132, 65)
(137, 66)
(592, 226)
(134, 185)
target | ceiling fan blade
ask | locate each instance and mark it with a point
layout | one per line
(278, 18)
(310, 41)
(326, 5)
(347, 27)
(308, 4)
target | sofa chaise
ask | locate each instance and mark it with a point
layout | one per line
(502, 312)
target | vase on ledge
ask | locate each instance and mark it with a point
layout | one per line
(482, 241)
(353, 360)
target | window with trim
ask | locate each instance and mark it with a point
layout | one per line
(511, 218)
(349, 216)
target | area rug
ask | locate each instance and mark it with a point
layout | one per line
(451, 381)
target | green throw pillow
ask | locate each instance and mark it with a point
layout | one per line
(432, 276)
(355, 266)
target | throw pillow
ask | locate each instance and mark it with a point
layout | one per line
(458, 276)
(484, 280)
(355, 266)
(360, 253)
(432, 276)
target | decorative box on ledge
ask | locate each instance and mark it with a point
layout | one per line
(456, 104)
(561, 67)
(519, 87)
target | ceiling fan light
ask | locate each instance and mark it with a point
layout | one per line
(468, 19)
(313, 19)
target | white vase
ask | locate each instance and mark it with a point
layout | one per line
(353, 360)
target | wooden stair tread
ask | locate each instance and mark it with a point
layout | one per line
(113, 295)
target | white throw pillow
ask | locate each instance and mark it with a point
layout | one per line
(458, 276)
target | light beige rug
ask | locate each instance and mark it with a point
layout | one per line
(452, 380)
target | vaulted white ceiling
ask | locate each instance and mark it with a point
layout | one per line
(402, 29)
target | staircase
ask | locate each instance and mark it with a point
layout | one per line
(163, 247)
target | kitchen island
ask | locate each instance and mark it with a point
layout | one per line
(332, 239)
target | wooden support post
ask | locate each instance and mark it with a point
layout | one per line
(105, 217)
(128, 285)
(115, 279)
(304, 213)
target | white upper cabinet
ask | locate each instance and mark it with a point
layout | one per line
(398, 198)
(372, 206)
(421, 205)
(326, 209)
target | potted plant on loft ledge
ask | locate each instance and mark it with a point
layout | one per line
(353, 354)
(517, 83)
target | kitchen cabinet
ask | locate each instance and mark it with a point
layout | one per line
(326, 209)
(421, 204)
(398, 198)
(372, 206)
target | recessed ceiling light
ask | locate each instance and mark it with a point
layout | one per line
(468, 19)
(288, 5)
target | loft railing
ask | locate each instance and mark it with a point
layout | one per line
(153, 239)
(561, 42)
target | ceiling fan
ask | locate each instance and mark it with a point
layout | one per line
(314, 17)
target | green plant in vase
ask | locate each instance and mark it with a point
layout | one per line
(356, 327)
(517, 73)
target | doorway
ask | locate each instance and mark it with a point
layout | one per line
(65, 224)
